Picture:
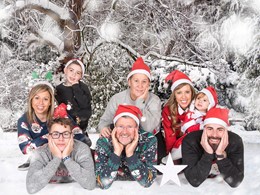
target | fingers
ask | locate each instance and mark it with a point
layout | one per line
(68, 148)
(113, 134)
(71, 142)
(136, 135)
(203, 137)
(118, 147)
(223, 143)
(204, 142)
(145, 94)
(105, 132)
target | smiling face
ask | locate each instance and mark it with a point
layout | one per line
(73, 73)
(202, 102)
(41, 103)
(214, 132)
(63, 140)
(183, 96)
(125, 130)
(138, 84)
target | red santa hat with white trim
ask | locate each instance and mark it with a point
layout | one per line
(212, 95)
(79, 62)
(217, 116)
(128, 110)
(177, 77)
(140, 67)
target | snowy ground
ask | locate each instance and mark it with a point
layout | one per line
(12, 181)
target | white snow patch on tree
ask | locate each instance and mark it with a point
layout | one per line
(186, 2)
(237, 33)
(255, 4)
(93, 5)
(110, 31)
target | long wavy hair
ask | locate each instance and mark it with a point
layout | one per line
(33, 92)
(173, 106)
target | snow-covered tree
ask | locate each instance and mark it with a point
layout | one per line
(214, 42)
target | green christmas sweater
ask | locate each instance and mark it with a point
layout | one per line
(139, 167)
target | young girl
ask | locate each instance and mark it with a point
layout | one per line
(75, 94)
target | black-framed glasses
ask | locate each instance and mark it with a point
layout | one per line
(56, 134)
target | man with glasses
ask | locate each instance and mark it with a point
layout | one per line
(130, 152)
(62, 160)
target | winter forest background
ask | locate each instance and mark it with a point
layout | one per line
(215, 42)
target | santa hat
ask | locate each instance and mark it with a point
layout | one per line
(212, 95)
(128, 110)
(60, 111)
(140, 67)
(217, 116)
(79, 62)
(42, 82)
(177, 77)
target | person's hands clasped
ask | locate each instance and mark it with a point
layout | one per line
(118, 147)
(130, 148)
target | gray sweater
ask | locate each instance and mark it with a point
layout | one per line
(151, 109)
(45, 168)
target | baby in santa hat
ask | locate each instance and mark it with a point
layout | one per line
(193, 120)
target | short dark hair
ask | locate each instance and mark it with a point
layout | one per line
(61, 121)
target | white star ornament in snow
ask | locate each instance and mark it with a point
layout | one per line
(170, 171)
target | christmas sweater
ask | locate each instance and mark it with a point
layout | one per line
(200, 162)
(139, 167)
(32, 136)
(46, 168)
(151, 110)
(78, 98)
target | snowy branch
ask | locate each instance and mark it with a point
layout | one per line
(175, 59)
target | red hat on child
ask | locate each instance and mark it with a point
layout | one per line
(140, 67)
(128, 110)
(79, 62)
(212, 95)
(177, 77)
(217, 116)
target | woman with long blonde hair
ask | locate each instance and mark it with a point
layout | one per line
(32, 125)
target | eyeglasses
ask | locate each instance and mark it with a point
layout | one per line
(121, 128)
(56, 135)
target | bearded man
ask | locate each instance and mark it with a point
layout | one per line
(215, 151)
